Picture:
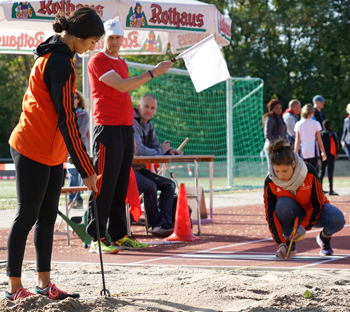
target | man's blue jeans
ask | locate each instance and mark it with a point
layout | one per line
(74, 180)
(287, 209)
(149, 183)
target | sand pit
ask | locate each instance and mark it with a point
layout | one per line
(187, 289)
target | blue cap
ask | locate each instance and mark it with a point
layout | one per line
(319, 98)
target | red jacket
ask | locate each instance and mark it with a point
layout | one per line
(309, 196)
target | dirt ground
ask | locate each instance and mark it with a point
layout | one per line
(153, 288)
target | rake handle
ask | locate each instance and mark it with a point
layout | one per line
(104, 291)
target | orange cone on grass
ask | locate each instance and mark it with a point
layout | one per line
(182, 227)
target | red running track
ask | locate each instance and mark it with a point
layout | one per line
(237, 238)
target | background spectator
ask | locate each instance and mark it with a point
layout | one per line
(319, 101)
(290, 118)
(330, 143)
(83, 125)
(159, 211)
(345, 138)
(307, 133)
(273, 125)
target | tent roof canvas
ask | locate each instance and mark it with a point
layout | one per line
(149, 25)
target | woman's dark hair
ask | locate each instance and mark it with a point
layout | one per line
(281, 153)
(81, 99)
(270, 106)
(82, 23)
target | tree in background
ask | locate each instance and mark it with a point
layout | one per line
(299, 48)
(14, 77)
(14, 73)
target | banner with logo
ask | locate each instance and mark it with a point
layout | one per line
(149, 26)
(187, 22)
(45, 11)
(15, 41)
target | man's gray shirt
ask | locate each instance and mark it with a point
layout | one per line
(146, 139)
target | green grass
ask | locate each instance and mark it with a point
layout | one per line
(8, 197)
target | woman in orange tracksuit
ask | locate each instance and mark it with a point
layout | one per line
(39, 143)
(292, 189)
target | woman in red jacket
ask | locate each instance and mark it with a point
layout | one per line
(292, 189)
(39, 143)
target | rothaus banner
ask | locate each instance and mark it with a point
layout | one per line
(46, 10)
(141, 42)
(180, 17)
(184, 40)
(149, 26)
(15, 41)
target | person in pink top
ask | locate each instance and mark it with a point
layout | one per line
(113, 146)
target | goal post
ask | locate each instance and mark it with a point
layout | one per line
(224, 121)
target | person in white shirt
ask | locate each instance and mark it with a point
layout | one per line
(307, 133)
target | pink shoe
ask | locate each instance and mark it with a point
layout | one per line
(19, 294)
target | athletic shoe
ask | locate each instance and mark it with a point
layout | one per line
(293, 249)
(162, 231)
(332, 193)
(54, 293)
(325, 244)
(19, 294)
(129, 243)
(106, 247)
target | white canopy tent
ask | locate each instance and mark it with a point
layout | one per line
(149, 25)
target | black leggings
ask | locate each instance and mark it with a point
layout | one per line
(38, 191)
(330, 163)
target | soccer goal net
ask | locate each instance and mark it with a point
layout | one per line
(224, 121)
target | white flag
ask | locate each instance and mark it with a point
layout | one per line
(205, 64)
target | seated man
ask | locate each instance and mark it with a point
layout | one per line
(147, 144)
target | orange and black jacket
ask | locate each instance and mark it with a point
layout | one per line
(48, 124)
(309, 196)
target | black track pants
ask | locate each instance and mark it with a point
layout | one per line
(113, 154)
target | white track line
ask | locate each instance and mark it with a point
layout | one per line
(259, 257)
(325, 261)
(192, 254)
(201, 251)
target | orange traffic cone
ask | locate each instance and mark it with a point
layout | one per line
(182, 228)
